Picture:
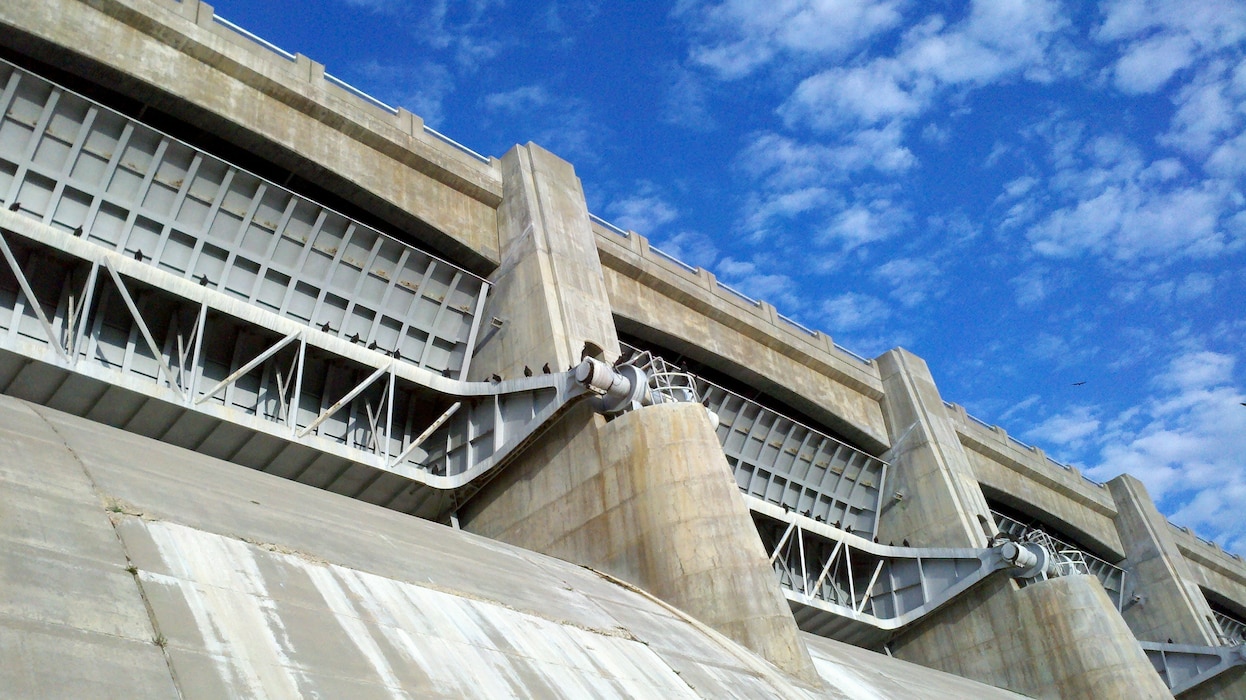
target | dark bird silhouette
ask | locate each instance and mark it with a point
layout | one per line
(138, 255)
(1170, 640)
(324, 326)
(891, 543)
(15, 206)
(905, 543)
(875, 540)
(203, 282)
(837, 525)
(78, 232)
(527, 371)
(848, 529)
(372, 345)
(354, 338)
(495, 378)
(1244, 404)
(545, 369)
(1078, 383)
(819, 518)
(446, 372)
(397, 354)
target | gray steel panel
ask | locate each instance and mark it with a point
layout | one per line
(76, 165)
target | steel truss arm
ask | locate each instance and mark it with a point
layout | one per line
(847, 587)
(1185, 666)
(266, 374)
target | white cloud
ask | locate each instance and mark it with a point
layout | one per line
(1148, 64)
(1071, 429)
(518, 100)
(1186, 444)
(912, 281)
(1033, 285)
(852, 312)
(1208, 111)
(998, 40)
(643, 211)
(420, 88)
(1127, 221)
(784, 163)
(692, 247)
(562, 124)
(740, 36)
(866, 222)
(1105, 199)
(750, 278)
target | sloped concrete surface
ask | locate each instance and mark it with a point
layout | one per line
(134, 569)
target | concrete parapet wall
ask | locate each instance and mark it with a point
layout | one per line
(1063, 496)
(649, 498)
(281, 109)
(1212, 567)
(690, 312)
(1032, 484)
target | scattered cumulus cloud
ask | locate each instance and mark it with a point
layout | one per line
(420, 88)
(692, 247)
(736, 37)
(1159, 38)
(852, 311)
(999, 39)
(912, 281)
(865, 223)
(643, 211)
(1185, 443)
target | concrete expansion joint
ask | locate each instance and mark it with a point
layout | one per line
(115, 509)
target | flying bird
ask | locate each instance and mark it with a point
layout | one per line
(1078, 383)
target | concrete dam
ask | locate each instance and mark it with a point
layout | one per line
(301, 398)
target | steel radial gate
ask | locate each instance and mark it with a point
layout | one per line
(80, 167)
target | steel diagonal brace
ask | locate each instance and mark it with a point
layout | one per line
(142, 327)
(249, 366)
(1187, 666)
(328, 412)
(34, 301)
(1018, 560)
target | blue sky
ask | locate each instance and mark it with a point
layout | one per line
(1029, 194)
